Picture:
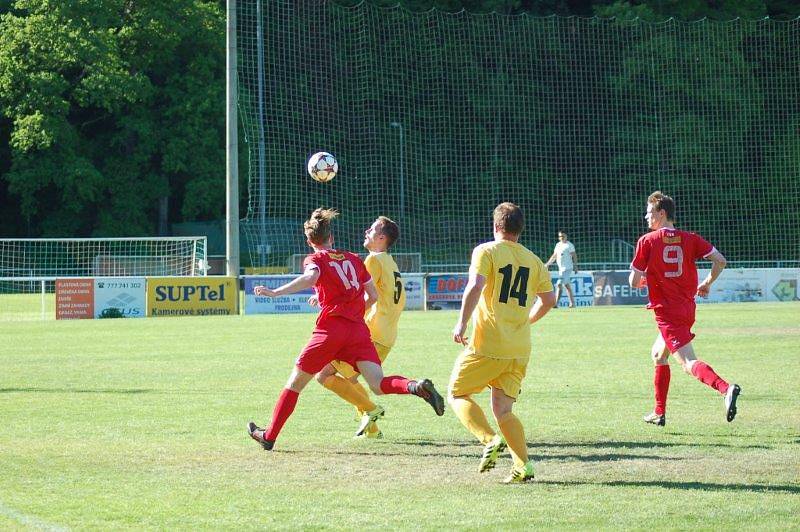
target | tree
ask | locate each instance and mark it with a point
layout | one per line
(116, 107)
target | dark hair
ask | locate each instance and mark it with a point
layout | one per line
(662, 202)
(560, 232)
(508, 218)
(318, 226)
(388, 228)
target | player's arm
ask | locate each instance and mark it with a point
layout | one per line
(718, 263)
(551, 260)
(370, 294)
(542, 306)
(639, 264)
(469, 301)
(298, 284)
(637, 279)
(574, 261)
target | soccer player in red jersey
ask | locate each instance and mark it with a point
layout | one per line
(664, 261)
(344, 289)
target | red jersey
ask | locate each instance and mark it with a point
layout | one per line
(668, 258)
(340, 286)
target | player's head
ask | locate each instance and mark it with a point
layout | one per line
(318, 227)
(562, 236)
(508, 220)
(660, 210)
(381, 234)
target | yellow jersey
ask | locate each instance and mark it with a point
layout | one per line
(514, 275)
(383, 316)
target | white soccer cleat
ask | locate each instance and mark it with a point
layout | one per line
(730, 401)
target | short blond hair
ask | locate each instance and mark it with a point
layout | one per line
(318, 227)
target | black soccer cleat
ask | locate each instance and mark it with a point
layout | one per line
(257, 433)
(730, 401)
(655, 419)
(427, 391)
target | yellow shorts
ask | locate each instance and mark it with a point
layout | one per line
(473, 373)
(346, 370)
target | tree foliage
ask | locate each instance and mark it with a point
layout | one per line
(112, 107)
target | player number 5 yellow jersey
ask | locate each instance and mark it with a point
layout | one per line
(383, 316)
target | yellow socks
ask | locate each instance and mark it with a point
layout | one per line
(472, 417)
(349, 392)
(514, 433)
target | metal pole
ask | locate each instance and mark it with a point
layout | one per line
(231, 150)
(262, 150)
(402, 172)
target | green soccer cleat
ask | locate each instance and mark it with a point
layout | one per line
(520, 475)
(491, 452)
(369, 433)
(368, 418)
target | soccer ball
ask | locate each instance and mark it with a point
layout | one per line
(322, 166)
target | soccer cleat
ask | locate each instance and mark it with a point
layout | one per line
(520, 474)
(257, 433)
(368, 418)
(369, 433)
(656, 419)
(427, 391)
(730, 401)
(491, 452)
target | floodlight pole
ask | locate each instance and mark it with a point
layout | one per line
(399, 126)
(231, 148)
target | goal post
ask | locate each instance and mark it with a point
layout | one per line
(24, 259)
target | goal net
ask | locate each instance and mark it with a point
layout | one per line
(435, 118)
(25, 263)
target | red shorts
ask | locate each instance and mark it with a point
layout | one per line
(676, 328)
(337, 338)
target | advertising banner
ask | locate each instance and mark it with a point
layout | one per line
(445, 290)
(74, 299)
(611, 288)
(413, 285)
(582, 287)
(753, 284)
(291, 304)
(192, 296)
(119, 297)
(783, 285)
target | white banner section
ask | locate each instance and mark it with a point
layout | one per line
(741, 285)
(291, 304)
(119, 297)
(414, 284)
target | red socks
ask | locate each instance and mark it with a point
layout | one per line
(283, 409)
(661, 384)
(395, 384)
(706, 375)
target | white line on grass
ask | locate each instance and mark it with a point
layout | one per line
(29, 520)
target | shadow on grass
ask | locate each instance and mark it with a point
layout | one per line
(591, 445)
(702, 486)
(76, 390)
(374, 451)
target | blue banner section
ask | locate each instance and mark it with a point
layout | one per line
(291, 304)
(582, 284)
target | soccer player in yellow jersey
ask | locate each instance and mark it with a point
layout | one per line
(381, 318)
(505, 279)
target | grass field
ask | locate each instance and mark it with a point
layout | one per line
(114, 424)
